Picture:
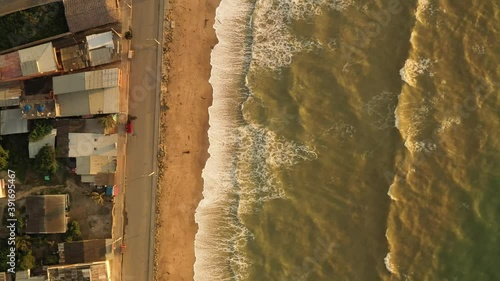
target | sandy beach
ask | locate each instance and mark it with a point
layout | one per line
(184, 140)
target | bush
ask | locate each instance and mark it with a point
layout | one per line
(42, 128)
(73, 233)
(51, 259)
(4, 157)
(45, 160)
(27, 261)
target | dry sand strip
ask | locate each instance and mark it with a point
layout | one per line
(183, 133)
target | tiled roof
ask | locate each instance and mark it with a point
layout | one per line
(83, 15)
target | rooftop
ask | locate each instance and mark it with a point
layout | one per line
(11, 122)
(92, 144)
(83, 251)
(83, 15)
(38, 59)
(39, 108)
(75, 57)
(46, 214)
(84, 81)
(10, 93)
(95, 164)
(10, 66)
(98, 271)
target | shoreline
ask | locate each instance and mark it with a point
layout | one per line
(183, 150)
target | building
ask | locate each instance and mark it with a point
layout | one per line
(11, 122)
(38, 60)
(88, 93)
(39, 108)
(46, 214)
(92, 144)
(75, 57)
(26, 276)
(50, 140)
(10, 93)
(103, 48)
(88, 167)
(28, 63)
(86, 251)
(97, 271)
(84, 15)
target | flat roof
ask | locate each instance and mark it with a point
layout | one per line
(99, 101)
(94, 164)
(11, 122)
(84, 144)
(46, 214)
(90, 80)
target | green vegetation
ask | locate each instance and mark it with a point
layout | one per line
(4, 251)
(32, 24)
(18, 161)
(45, 161)
(27, 260)
(50, 260)
(42, 128)
(4, 157)
(97, 197)
(73, 233)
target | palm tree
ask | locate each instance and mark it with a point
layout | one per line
(23, 243)
(107, 122)
(97, 197)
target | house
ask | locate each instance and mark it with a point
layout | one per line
(10, 93)
(26, 276)
(103, 48)
(88, 93)
(46, 214)
(11, 122)
(85, 144)
(90, 166)
(50, 140)
(75, 57)
(28, 63)
(86, 251)
(39, 108)
(84, 15)
(80, 272)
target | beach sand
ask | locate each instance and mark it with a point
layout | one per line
(184, 140)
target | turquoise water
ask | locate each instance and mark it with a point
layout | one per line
(352, 140)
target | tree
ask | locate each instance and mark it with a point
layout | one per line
(27, 261)
(4, 157)
(128, 35)
(42, 128)
(73, 233)
(51, 259)
(45, 160)
(97, 197)
(23, 243)
(107, 122)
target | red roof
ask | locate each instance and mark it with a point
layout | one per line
(10, 66)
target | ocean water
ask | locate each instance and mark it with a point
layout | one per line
(353, 140)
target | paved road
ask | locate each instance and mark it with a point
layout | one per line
(10, 6)
(142, 148)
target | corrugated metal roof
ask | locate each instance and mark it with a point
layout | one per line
(38, 59)
(100, 101)
(100, 40)
(92, 144)
(90, 80)
(75, 57)
(87, 178)
(46, 214)
(92, 165)
(11, 122)
(68, 83)
(101, 56)
(83, 15)
(91, 271)
(34, 147)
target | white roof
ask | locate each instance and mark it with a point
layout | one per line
(84, 144)
(11, 122)
(100, 40)
(38, 59)
(50, 139)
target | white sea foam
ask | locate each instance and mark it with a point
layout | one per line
(382, 108)
(415, 68)
(240, 173)
(389, 265)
